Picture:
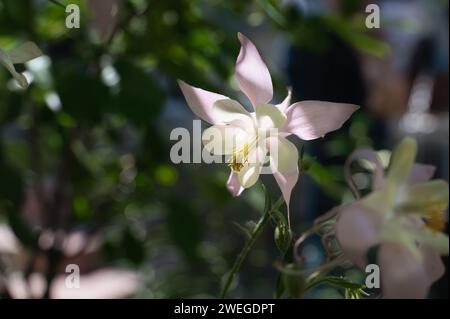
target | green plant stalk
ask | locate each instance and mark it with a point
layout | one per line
(249, 244)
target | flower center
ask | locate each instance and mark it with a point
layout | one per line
(435, 220)
(239, 158)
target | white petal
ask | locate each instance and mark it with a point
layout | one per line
(402, 161)
(421, 198)
(227, 111)
(439, 242)
(233, 184)
(402, 274)
(421, 173)
(269, 116)
(310, 120)
(283, 155)
(357, 230)
(201, 101)
(223, 139)
(252, 73)
(283, 106)
(249, 175)
(432, 263)
(286, 184)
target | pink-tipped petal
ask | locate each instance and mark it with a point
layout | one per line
(286, 184)
(283, 106)
(421, 173)
(201, 101)
(233, 185)
(357, 230)
(402, 274)
(313, 119)
(432, 263)
(252, 73)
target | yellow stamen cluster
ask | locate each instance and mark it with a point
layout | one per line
(239, 158)
(436, 221)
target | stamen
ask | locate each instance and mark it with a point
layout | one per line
(239, 158)
(436, 221)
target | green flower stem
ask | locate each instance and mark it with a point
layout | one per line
(249, 244)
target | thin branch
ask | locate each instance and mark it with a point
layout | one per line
(57, 3)
(304, 272)
(122, 25)
(249, 244)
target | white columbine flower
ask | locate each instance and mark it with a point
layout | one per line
(404, 218)
(249, 137)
